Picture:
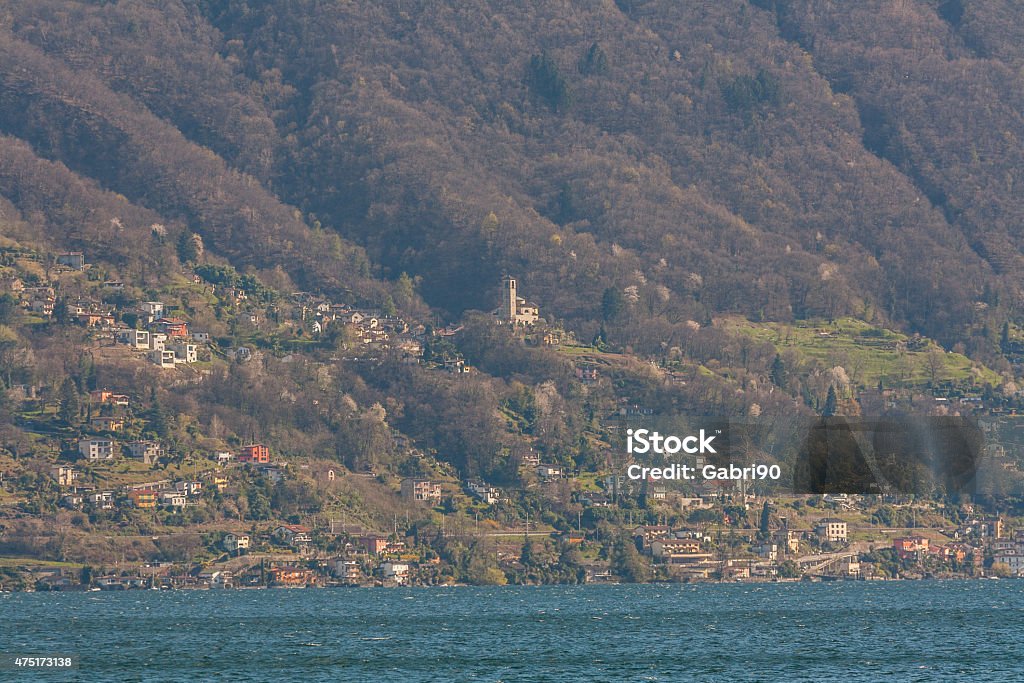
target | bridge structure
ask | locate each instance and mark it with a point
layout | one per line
(826, 564)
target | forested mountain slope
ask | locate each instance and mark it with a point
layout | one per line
(776, 159)
(256, 245)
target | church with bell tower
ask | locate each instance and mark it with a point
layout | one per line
(515, 309)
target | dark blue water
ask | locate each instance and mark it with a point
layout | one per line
(900, 631)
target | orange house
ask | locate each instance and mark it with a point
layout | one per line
(100, 396)
(143, 498)
(255, 453)
(291, 576)
(910, 545)
(951, 552)
(173, 327)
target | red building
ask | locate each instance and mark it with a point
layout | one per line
(172, 327)
(375, 545)
(254, 453)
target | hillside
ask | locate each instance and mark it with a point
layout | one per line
(741, 157)
(287, 225)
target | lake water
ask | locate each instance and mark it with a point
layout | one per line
(865, 631)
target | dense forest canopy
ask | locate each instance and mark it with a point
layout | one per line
(780, 160)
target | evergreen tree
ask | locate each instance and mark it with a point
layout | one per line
(594, 62)
(547, 81)
(405, 290)
(159, 423)
(764, 527)
(612, 303)
(86, 373)
(565, 205)
(388, 308)
(778, 372)
(831, 402)
(9, 308)
(190, 247)
(61, 312)
(70, 404)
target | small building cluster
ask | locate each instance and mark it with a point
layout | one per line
(165, 493)
(167, 342)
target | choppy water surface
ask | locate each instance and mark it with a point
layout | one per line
(905, 631)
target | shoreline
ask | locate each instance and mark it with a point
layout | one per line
(798, 581)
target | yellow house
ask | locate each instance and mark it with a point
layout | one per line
(143, 498)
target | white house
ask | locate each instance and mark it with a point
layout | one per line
(546, 471)
(188, 488)
(293, 534)
(102, 500)
(832, 530)
(399, 571)
(347, 570)
(162, 358)
(235, 542)
(152, 310)
(173, 499)
(136, 339)
(215, 578)
(96, 449)
(488, 494)
(63, 475)
(146, 451)
(183, 352)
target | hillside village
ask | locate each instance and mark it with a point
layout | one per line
(109, 448)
